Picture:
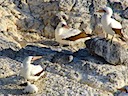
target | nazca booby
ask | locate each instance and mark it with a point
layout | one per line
(110, 25)
(69, 36)
(30, 71)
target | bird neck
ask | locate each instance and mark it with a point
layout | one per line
(108, 14)
(59, 31)
(26, 63)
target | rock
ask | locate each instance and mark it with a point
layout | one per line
(22, 17)
(6, 44)
(79, 73)
(67, 72)
(7, 67)
(125, 28)
(125, 13)
(113, 53)
(66, 5)
(66, 58)
(98, 30)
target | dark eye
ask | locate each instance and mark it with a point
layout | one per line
(63, 25)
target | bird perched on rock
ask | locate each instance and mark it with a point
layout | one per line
(30, 71)
(110, 25)
(30, 88)
(69, 36)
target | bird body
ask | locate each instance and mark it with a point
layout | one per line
(110, 25)
(67, 35)
(70, 33)
(30, 71)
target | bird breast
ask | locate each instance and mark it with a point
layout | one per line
(105, 21)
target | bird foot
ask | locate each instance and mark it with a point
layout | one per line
(45, 74)
(109, 40)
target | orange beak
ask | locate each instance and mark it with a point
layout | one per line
(36, 57)
(101, 11)
(66, 26)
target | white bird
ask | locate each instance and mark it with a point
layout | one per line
(110, 25)
(30, 88)
(69, 36)
(30, 71)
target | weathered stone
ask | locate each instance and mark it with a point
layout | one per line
(7, 41)
(23, 21)
(66, 5)
(125, 13)
(125, 26)
(113, 53)
(98, 31)
(39, 16)
(65, 71)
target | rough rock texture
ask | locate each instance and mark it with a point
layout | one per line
(113, 52)
(28, 20)
(72, 74)
(23, 22)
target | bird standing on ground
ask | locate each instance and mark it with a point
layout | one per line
(110, 25)
(30, 71)
(69, 36)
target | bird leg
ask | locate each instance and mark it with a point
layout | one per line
(106, 35)
(72, 45)
(112, 39)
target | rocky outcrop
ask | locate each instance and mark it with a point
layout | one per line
(29, 20)
(67, 72)
(113, 52)
(23, 22)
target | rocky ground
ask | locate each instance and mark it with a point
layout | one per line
(26, 25)
(68, 73)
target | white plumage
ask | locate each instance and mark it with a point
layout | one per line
(30, 71)
(67, 35)
(70, 32)
(115, 24)
(60, 33)
(30, 88)
(110, 25)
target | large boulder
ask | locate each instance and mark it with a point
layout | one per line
(112, 52)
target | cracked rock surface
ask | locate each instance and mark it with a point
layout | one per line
(68, 73)
(26, 25)
(28, 20)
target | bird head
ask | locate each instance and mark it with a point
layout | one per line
(63, 24)
(106, 10)
(29, 59)
(28, 83)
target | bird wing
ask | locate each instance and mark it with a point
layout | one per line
(35, 69)
(116, 27)
(70, 32)
(79, 36)
(115, 24)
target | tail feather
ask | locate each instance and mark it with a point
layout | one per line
(39, 73)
